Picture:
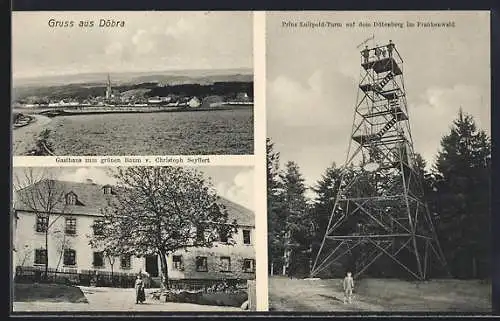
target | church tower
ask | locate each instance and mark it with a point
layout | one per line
(108, 89)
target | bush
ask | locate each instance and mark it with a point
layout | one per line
(234, 299)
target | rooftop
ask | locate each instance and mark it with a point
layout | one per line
(91, 199)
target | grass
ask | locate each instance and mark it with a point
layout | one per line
(48, 293)
(380, 295)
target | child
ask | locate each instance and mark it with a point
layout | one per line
(348, 287)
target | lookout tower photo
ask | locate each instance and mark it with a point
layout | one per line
(379, 207)
(378, 182)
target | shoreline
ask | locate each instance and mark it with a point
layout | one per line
(25, 138)
(127, 110)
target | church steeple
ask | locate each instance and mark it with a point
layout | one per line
(108, 88)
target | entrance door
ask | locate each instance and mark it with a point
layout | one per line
(152, 265)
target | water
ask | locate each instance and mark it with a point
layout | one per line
(218, 132)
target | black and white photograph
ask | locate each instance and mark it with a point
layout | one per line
(126, 239)
(379, 161)
(132, 83)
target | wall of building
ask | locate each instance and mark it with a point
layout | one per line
(237, 254)
(28, 240)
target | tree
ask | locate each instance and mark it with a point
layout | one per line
(297, 222)
(107, 237)
(326, 190)
(43, 196)
(275, 205)
(62, 242)
(158, 210)
(464, 163)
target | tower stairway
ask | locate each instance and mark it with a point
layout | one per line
(378, 87)
(397, 115)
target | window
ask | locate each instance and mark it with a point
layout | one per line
(125, 261)
(249, 265)
(107, 190)
(177, 262)
(70, 226)
(225, 264)
(71, 199)
(98, 259)
(223, 235)
(40, 256)
(246, 237)
(41, 223)
(69, 257)
(200, 234)
(98, 230)
(201, 264)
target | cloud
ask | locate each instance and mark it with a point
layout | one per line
(296, 104)
(179, 29)
(144, 41)
(436, 109)
(114, 49)
(239, 190)
(97, 175)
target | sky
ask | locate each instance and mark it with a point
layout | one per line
(236, 183)
(312, 77)
(148, 41)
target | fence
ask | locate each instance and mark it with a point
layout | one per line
(29, 274)
(208, 285)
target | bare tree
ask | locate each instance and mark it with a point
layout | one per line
(62, 243)
(37, 192)
(158, 210)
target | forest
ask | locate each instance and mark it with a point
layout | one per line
(228, 89)
(456, 189)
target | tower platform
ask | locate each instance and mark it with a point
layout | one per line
(383, 65)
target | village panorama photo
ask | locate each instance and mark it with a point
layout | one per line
(133, 239)
(156, 83)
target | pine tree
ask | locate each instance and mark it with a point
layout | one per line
(326, 189)
(464, 196)
(297, 221)
(275, 205)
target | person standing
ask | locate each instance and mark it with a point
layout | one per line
(366, 54)
(377, 52)
(140, 296)
(348, 288)
(390, 48)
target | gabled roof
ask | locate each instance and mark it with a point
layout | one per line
(91, 199)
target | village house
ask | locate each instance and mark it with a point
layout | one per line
(73, 227)
(194, 102)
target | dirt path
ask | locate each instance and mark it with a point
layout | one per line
(115, 299)
(24, 138)
(380, 295)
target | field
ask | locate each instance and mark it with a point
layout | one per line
(188, 133)
(183, 133)
(380, 295)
